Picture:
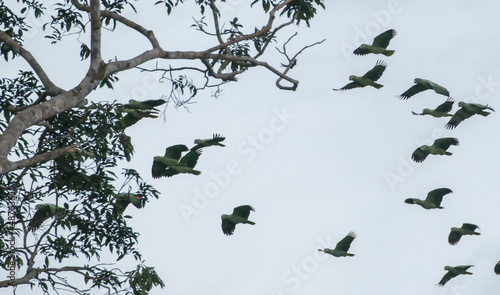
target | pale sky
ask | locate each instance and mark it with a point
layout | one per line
(316, 164)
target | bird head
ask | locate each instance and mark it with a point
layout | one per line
(223, 216)
(351, 78)
(197, 141)
(417, 80)
(426, 111)
(447, 267)
(461, 104)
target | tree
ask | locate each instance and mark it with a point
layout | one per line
(58, 148)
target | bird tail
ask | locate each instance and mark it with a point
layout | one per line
(484, 114)
(250, 222)
(220, 144)
(388, 52)
(378, 86)
(477, 234)
(195, 172)
(349, 254)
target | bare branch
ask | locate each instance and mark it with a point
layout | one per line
(260, 32)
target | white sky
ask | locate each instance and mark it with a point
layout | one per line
(321, 170)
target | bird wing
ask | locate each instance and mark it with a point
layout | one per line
(419, 155)
(43, 213)
(137, 200)
(463, 267)
(469, 226)
(129, 120)
(412, 91)
(134, 115)
(457, 118)
(243, 211)
(361, 51)
(454, 237)
(445, 142)
(191, 158)
(145, 105)
(445, 106)
(497, 268)
(383, 39)
(377, 71)
(216, 139)
(478, 107)
(175, 151)
(448, 276)
(158, 169)
(436, 196)
(345, 243)
(170, 171)
(151, 103)
(121, 205)
(438, 88)
(351, 85)
(228, 227)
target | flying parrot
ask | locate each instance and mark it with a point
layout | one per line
(44, 212)
(422, 85)
(439, 147)
(456, 233)
(240, 215)
(433, 199)
(367, 79)
(342, 247)
(379, 44)
(454, 271)
(466, 111)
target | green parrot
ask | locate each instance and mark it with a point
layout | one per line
(422, 85)
(44, 212)
(367, 79)
(187, 163)
(439, 147)
(134, 115)
(454, 271)
(441, 111)
(433, 199)
(171, 164)
(215, 140)
(144, 105)
(497, 268)
(128, 148)
(457, 232)
(342, 247)
(240, 215)
(466, 111)
(124, 199)
(379, 44)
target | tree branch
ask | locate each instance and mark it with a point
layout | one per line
(51, 88)
(105, 13)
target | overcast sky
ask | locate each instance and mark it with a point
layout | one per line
(316, 164)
